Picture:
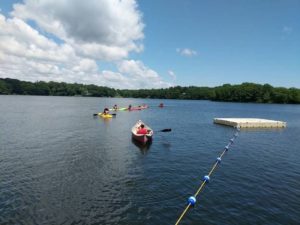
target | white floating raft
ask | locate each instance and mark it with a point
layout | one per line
(250, 122)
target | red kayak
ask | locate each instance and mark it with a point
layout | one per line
(138, 108)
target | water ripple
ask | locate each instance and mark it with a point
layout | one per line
(59, 165)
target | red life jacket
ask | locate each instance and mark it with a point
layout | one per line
(142, 131)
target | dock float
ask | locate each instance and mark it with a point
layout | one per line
(250, 123)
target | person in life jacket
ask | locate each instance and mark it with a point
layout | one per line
(105, 111)
(142, 130)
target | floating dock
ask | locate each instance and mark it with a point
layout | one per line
(250, 123)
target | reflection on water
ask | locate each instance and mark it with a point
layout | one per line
(166, 145)
(144, 148)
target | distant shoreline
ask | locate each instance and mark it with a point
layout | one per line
(245, 92)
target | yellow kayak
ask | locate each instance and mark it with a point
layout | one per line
(105, 115)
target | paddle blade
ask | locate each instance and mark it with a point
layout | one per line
(95, 114)
(166, 130)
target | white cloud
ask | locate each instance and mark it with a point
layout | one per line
(142, 76)
(19, 39)
(86, 65)
(117, 80)
(137, 69)
(172, 75)
(27, 55)
(101, 30)
(186, 52)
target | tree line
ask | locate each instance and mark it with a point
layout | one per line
(245, 92)
(13, 86)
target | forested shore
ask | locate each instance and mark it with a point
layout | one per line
(245, 92)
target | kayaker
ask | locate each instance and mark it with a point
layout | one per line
(129, 107)
(115, 107)
(161, 105)
(105, 111)
(142, 130)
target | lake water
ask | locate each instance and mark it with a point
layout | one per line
(60, 165)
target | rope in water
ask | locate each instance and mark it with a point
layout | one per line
(206, 178)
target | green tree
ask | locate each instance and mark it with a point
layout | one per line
(4, 90)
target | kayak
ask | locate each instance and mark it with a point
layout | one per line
(119, 109)
(138, 108)
(142, 138)
(105, 115)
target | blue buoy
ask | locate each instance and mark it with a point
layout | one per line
(226, 147)
(192, 200)
(206, 178)
(218, 160)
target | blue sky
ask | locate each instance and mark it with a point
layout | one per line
(167, 43)
(236, 41)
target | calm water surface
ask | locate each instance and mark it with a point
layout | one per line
(59, 165)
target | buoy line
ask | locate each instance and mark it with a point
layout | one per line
(192, 199)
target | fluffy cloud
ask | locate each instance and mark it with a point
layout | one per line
(86, 65)
(172, 74)
(186, 52)
(103, 30)
(27, 55)
(138, 73)
(19, 39)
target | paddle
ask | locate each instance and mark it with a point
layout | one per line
(113, 114)
(165, 130)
